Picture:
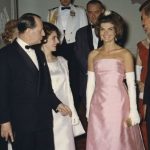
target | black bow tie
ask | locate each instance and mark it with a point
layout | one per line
(92, 26)
(28, 46)
(63, 8)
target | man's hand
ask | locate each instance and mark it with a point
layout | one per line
(141, 86)
(64, 110)
(6, 131)
(144, 111)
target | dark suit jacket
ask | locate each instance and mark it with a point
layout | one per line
(26, 95)
(147, 98)
(83, 46)
(147, 84)
(147, 89)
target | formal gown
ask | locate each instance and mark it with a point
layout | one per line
(109, 110)
(63, 125)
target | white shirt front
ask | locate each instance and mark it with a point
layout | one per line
(30, 52)
(64, 14)
(95, 39)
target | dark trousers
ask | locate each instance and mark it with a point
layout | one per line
(148, 125)
(67, 51)
(41, 140)
(3, 144)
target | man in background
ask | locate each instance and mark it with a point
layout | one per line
(145, 18)
(86, 40)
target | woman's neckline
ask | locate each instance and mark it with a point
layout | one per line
(52, 61)
(116, 59)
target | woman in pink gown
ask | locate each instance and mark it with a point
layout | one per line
(111, 108)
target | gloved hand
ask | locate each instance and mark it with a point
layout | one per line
(89, 91)
(133, 115)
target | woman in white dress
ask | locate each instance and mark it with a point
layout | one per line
(65, 128)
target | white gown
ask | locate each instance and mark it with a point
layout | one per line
(63, 125)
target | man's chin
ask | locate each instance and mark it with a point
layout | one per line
(93, 22)
(38, 42)
(35, 43)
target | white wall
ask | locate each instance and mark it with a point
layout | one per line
(124, 7)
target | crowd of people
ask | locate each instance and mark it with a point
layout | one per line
(48, 70)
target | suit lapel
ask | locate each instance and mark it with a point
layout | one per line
(25, 57)
(42, 68)
(40, 71)
(90, 37)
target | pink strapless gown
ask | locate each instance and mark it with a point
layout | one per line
(109, 110)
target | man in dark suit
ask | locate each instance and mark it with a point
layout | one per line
(26, 97)
(3, 144)
(145, 18)
(86, 40)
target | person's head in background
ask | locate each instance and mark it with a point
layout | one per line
(51, 38)
(145, 16)
(111, 24)
(30, 27)
(66, 2)
(10, 32)
(95, 8)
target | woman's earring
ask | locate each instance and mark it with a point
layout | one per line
(45, 41)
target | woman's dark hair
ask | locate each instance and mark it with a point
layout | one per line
(27, 21)
(145, 7)
(117, 21)
(48, 29)
(9, 30)
(72, 1)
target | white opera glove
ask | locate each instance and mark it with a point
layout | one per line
(138, 78)
(138, 72)
(133, 115)
(89, 90)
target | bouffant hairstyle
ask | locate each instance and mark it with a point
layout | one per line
(145, 7)
(48, 29)
(9, 30)
(115, 19)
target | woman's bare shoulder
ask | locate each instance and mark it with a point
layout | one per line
(93, 53)
(126, 52)
(127, 55)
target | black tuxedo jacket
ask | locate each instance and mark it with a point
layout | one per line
(26, 95)
(83, 46)
(147, 83)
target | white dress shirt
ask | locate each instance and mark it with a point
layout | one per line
(30, 52)
(95, 39)
(64, 14)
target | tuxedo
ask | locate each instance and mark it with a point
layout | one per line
(147, 99)
(83, 46)
(26, 98)
(3, 144)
